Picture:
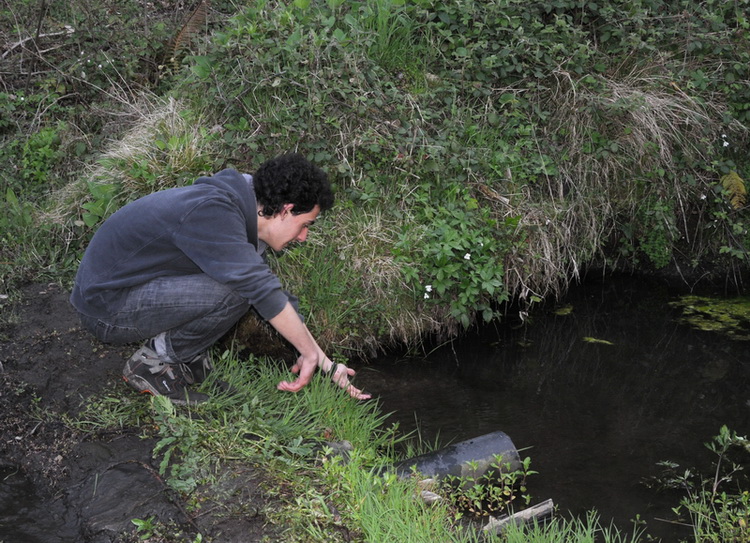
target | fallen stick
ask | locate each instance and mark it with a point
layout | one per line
(68, 30)
(541, 510)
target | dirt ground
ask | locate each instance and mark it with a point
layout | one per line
(64, 485)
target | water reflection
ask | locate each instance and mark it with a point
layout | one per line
(597, 396)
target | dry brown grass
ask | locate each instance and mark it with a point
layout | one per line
(652, 122)
(164, 145)
(159, 149)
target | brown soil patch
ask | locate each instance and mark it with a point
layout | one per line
(67, 485)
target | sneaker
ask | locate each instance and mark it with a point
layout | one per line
(148, 374)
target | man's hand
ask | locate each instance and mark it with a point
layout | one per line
(341, 374)
(289, 325)
(305, 368)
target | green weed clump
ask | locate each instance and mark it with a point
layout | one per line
(580, 530)
(717, 507)
(494, 493)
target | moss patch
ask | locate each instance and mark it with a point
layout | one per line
(730, 317)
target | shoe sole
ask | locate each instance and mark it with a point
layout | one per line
(144, 387)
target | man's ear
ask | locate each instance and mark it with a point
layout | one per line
(287, 208)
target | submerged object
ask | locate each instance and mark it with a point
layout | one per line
(471, 458)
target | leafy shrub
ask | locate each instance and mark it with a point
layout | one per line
(717, 507)
(455, 258)
(40, 153)
(491, 494)
(655, 230)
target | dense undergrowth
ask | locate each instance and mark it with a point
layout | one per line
(482, 152)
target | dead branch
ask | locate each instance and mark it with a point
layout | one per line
(19, 43)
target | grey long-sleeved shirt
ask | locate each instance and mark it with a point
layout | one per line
(209, 227)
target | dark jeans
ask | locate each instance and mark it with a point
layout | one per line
(194, 311)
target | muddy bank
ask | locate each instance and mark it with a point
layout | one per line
(67, 485)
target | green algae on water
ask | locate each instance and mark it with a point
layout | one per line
(564, 311)
(728, 316)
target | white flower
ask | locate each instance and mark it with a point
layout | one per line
(703, 196)
(428, 288)
(100, 66)
(426, 296)
(467, 256)
(83, 75)
(726, 144)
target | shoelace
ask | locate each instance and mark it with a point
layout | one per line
(187, 374)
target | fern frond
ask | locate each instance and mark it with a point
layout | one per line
(735, 187)
(192, 24)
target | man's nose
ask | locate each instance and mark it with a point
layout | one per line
(302, 235)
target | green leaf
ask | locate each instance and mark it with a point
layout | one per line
(11, 198)
(202, 67)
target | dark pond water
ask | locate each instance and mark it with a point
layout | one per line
(594, 417)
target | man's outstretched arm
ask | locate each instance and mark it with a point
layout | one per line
(291, 327)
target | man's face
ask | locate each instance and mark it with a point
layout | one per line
(285, 227)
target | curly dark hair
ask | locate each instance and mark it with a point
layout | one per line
(291, 179)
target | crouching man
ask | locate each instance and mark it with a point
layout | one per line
(178, 268)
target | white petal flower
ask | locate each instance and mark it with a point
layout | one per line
(726, 144)
(428, 288)
(467, 256)
(426, 296)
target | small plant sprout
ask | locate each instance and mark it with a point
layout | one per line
(491, 493)
(145, 528)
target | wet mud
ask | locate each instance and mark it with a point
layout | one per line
(61, 484)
